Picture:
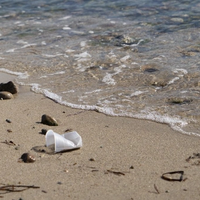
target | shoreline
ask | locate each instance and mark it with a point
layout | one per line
(121, 158)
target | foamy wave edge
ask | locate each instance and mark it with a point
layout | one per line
(20, 75)
(174, 122)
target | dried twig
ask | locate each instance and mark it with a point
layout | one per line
(16, 188)
(116, 172)
(156, 190)
(9, 142)
(155, 187)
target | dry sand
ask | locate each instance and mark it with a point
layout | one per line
(141, 151)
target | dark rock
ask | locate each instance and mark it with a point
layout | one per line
(7, 120)
(46, 119)
(5, 95)
(9, 87)
(43, 131)
(27, 158)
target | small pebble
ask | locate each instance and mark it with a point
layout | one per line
(91, 159)
(17, 148)
(27, 158)
(9, 130)
(48, 120)
(43, 131)
(5, 95)
(7, 120)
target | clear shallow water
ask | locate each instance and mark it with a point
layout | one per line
(136, 59)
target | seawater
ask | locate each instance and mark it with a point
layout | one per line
(129, 58)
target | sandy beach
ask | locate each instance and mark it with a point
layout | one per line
(121, 158)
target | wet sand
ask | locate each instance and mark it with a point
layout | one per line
(121, 158)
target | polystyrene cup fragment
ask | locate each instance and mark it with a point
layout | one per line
(66, 141)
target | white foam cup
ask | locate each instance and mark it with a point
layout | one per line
(66, 141)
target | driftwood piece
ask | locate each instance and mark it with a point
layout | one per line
(16, 188)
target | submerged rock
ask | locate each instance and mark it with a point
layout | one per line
(6, 95)
(9, 87)
(48, 120)
(150, 68)
(178, 100)
(159, 82)
(177, 19)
